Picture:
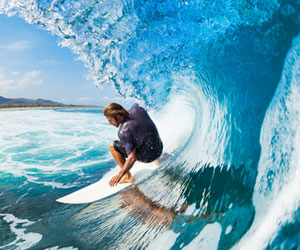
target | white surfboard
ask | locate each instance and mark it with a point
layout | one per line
(102, 189)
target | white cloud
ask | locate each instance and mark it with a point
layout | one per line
(19, 81)
(17, 46)
(4, 83)
(111, 98)
(82, 99)
(118, 98)
(51, 62)
(30, 78)
(16, 73)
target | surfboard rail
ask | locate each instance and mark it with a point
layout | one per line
(101, 189)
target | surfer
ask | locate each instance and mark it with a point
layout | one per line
(139, 139)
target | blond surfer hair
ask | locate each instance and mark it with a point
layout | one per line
(113, 109)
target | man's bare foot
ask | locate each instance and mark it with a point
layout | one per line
(126, 179)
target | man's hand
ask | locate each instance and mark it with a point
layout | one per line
(115, 180)
(127, 166)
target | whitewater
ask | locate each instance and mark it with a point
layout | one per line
(221, 79)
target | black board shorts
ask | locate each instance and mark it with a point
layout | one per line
(150, 150)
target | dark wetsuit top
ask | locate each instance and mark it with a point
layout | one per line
(139, 132)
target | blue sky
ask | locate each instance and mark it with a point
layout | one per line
(33, 65)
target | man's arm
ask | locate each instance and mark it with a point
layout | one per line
(127, 166)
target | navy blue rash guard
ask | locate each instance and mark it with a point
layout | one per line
(139, 132)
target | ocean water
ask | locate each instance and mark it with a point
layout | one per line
(221, 79)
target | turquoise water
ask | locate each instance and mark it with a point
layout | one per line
(46, 154)
(220, 79)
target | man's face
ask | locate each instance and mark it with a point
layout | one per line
(112, 121)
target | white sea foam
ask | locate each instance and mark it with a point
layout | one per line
(39, 143)
(175, 123)
(281, 211)
(228, 229)
(165, 241)
(23, 240)
(190, 128)
(63, 248)
(191, 209)
(208, 238)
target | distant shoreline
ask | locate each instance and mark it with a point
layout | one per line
(14, 107)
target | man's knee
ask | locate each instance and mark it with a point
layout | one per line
(111, 146)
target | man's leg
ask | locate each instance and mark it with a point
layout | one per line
(120, 160)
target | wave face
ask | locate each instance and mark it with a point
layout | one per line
(222, 79)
